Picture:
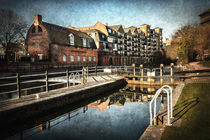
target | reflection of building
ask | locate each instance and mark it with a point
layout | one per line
(205, 18)
(59, 45)
(100, 105)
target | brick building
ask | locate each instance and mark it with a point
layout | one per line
(59, 45)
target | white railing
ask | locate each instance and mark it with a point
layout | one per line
(169, 104)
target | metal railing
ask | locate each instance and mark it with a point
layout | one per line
(153, 114)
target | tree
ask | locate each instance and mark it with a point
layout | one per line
(183, 45)
(13, 29)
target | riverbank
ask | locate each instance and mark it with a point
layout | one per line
(192, 109)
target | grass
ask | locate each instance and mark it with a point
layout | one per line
(193, 107)
(205, 63)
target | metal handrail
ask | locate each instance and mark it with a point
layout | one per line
(169, 104)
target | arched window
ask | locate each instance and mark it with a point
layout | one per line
(64, 58)
(39, 29)
(33, 30)
(71, 39)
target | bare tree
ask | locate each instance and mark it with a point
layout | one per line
(13, 29)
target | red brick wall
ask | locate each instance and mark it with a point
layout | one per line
(60, 51)
(38, 42)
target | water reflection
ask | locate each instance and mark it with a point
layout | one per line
(121, 115)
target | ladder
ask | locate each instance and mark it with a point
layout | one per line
(153, 102)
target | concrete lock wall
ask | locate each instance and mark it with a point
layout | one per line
(26, 111)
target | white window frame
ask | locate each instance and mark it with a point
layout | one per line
(72, 58)
(78, 58)
(94, 59)
(84, 42)
(64, 58)
(84, 58)
(71, 39)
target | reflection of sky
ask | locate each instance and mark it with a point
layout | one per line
(166, 14)
(115, 122)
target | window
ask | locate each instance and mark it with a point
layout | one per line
(84, 42)
(103, 36)
(89, 58)
(110, 31)
(56, 58)
(71, 39)
(94, 58)
(72, 58)
(78, 58)
(40, 56)
(64, 58)
(39, 29)
(84, 58)
(33, 30)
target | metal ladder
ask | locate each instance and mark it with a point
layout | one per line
(153, 114)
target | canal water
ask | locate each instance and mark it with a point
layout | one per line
(122, 115)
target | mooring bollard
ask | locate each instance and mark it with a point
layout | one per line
(172, 73)
(161, 74)
(18, 85)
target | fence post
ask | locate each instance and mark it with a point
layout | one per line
(46, 78)
(67, 78)
(83, 75)
(161, 74)
(18, 85)
(96, 70)
(172, 73)
(87, 72)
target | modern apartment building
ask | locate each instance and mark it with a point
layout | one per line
(205, 18)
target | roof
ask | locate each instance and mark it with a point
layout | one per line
(133, 29)
(115, 27)
(59, 34)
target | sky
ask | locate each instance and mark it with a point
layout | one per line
(169, 15)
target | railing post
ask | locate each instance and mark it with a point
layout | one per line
(87, 72)
(96, 70)
(67, 78)
(161, 74)
(46, 80)
(141, 71)
(18, 85)
(168, 109)
(172, 73)
(83, 75)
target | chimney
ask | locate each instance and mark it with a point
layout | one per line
(38, 19)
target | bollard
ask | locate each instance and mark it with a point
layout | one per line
(161, 74)
(46, 78)
(18, 85)
(172, 73)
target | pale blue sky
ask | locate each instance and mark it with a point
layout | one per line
(167, 14)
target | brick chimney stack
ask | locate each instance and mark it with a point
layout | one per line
(38, 19)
